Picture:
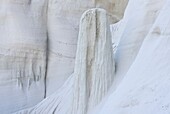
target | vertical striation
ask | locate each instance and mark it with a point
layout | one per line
(94, 66)
(22, 53)
(63, 28)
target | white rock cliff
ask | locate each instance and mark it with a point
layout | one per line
(55, 59)
(23, 36)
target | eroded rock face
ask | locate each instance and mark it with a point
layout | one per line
(145, 88)
(27, 28)
(142, 59)
(59, 102)
(63, 26)
(22, 53)
(94, 66)
(93, 72)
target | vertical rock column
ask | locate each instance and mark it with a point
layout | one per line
(63, 26)
(94, 66)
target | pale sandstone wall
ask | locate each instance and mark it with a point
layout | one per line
(23, 36)
(138, 19)
(63, 22)
(25, 26)
(93, 72)
(145, 88)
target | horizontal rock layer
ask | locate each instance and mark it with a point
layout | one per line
(23, 36)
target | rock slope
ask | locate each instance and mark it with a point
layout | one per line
(37, 58)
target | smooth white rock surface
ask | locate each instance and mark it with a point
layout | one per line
(145, 87)
(139, 17)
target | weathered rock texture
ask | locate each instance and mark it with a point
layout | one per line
(63, 26)
(94, 66)
(59, 102)
(38, 48)
(145, 87)
(141, 84)
(23, 35)
(93, 73)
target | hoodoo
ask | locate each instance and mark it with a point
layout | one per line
(94, 66)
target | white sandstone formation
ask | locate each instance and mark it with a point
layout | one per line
(93, 73)
(23, 35)
(63, 26)
(94, 65)
(26, 28)
(130, 78)
(59, 102)
(139, 17)
(145, 87)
